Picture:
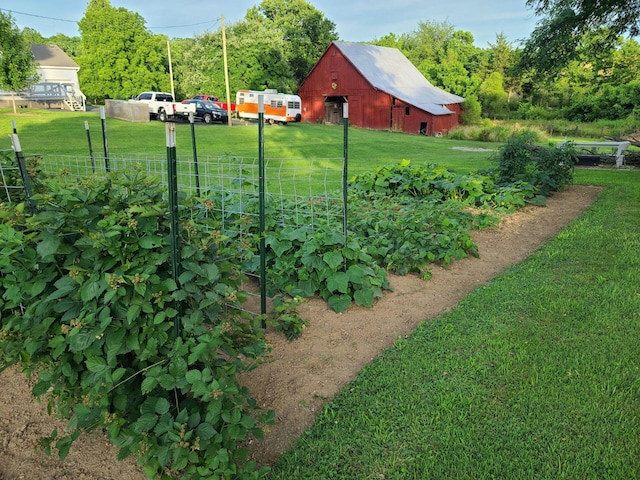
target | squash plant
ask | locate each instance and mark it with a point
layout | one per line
(89, 307)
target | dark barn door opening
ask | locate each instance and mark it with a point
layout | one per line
(333, 110)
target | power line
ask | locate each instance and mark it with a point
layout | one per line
(39, 16)
(76, 21)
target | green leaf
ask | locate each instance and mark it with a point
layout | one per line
(133, 312)
(162, 406)
(338, 282)
(145, 423)
(167, 381)
(41, 388)
(211, 272)
(339, 303)
(364, 296)
(193, 376)
(356, 274)
(63, 286)
(205, 431)
(150, 241)
(148, 384)
(90, 290)
(97, 365)
(38, 287)
(80, 341)
(333, 259)
(48, 246)
(164, 455)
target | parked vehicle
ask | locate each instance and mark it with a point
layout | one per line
(278, 107)
(201, 96)
(207, 111)
(214, 99)
(162, 106)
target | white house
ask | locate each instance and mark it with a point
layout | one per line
(58, 85)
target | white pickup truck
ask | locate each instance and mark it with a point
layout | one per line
(163, 107)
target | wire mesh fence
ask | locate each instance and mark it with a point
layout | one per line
(300, 193)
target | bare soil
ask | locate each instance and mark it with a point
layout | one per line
(299, 376)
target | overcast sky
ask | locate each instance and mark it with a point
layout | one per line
(356, 20)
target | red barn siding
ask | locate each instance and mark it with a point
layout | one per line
(334, 77)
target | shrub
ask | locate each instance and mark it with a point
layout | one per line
(90, 307)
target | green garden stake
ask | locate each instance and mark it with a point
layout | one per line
(93, 160)
(195, 152)
(103, 119)
(173, 217)
(26, 181)
(345, 169)
(261, 195)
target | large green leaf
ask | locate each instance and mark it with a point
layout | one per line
(338, 281)
(145, 423)
(48, 246)
(365, 296)
(97, 365)
(339, 303)
(333, 259)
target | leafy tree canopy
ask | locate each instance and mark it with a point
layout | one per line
(305, 30)
(555, 40)
(120, 57)
(17, 65)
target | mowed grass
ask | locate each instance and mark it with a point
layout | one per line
(63, 133)
(535, 375)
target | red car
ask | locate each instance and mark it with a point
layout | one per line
(200, 96)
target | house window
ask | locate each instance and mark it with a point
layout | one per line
(407, 111)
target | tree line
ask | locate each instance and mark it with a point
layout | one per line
(577, 64)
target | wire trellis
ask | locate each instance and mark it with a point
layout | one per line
(302, 193)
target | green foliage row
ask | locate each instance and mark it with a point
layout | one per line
(548, 169)
(533, 375)
(89, 306)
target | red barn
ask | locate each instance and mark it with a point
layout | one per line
(383, 89)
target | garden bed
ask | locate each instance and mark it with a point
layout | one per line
(302, 375)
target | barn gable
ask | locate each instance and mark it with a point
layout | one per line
(387, 69)
(383, 88)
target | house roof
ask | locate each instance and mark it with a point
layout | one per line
(52, 56)
(388, 70)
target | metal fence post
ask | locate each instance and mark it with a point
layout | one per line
(345, 169)
(93, 160)
(26, 181)
(103, 119)
(192, 121)
(173, 217)
(261, 206)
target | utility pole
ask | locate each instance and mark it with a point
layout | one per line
(226, 70)
(173, 93)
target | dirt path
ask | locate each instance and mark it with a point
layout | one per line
(300, 376)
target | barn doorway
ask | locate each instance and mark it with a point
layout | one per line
(333, 110)
(423, 128)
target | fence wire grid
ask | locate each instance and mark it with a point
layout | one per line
(300, 193)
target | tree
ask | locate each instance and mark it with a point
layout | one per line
(305, 30)
(120, 57)
(255, 55)
(17, 65)
(492, 95)
(555, 39)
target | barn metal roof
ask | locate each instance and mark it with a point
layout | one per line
(388, 70)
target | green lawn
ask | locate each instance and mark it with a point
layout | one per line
(535, 375)
(63, 133)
